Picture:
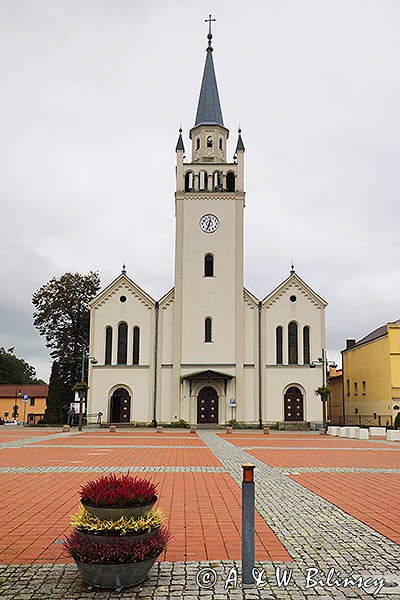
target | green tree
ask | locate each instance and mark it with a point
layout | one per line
(55, 408)
(62, 316)
(16, 370)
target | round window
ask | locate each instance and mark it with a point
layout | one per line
(122, 298)
(292, 298)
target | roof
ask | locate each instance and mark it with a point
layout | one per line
(239, 145)
(179, 144)
(293, 277)
(209, 107)
(375, 334)
(11, 391)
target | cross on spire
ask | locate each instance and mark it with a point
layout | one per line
(209, 21)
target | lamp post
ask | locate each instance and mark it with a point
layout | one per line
(324, 362)
(81, 393)
(18, 394)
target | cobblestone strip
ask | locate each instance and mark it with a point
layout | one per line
(294, 470)
(315, 532)
(315, 448)
(113, 446)
(132, 468)
(32, 440)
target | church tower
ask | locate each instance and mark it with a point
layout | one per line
(208, 304)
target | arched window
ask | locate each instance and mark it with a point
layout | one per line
(122, 343)
(217, 180)
(220, 144)
(208, 265)
(203, 181)
(230, 182)
(306, 345)
(208, 330)
(189, 181)
(279, 345)
(198, 143)
(209, 141)
(108, 348)
(293, 344)
(136, 343)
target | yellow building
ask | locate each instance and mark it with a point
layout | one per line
(371, 377)
(335, 399)
(31, 410)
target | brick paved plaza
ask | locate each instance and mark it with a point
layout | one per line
(322, 503)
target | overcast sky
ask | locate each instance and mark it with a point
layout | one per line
(93, 93)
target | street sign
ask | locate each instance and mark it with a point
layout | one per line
(232, 403)
(25, 398)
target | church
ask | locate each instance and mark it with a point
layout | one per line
(208, 351)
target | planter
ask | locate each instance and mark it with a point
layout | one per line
(117, 575)
(114, 539)
(113, 513)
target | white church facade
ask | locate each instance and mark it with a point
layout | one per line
(208, 351)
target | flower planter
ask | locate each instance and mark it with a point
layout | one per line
(117, 575)
(114, 539)
(113, 513)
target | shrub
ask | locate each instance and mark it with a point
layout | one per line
(124, 551)
(123, 490)
(85, 521)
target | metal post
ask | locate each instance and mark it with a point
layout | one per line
(248, 498)
(81, 393)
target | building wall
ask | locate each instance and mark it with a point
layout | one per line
(369, 363)
(7, 404)
(279, 378)
(335, 400)
(394, 342)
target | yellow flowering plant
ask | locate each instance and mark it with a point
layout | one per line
(84, 521)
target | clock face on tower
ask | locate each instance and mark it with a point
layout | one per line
(209, 223)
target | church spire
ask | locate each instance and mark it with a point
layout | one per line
(209, 108)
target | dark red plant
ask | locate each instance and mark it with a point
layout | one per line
(122, 552)
(122, 490)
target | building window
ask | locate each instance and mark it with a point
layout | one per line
(198, 143)
(230, 182)
(306, 345)
(217, 181)
(32, 402)
(122, 344)
(189, 181)
(108, 349)
(348, 387)
(220, 144)
(208, 330)
(208, 265)
(355, 388)
(6, 414)
(203, 181)
(209, 141)
(293, 343)
(364, 387)
(136, 342)
(279, 345)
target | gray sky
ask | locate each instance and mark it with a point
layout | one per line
(93, 93)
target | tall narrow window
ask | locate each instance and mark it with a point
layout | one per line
(216, 180)
(136, 343)
(203, 181)
(279, 345)
(208, 330)
(293, 343)
(198, 143)
(108, 349)
(306, 345)
(230, 182)
(122, 343)
(189, 182)
(209, 142)
(220, 144)
(208, 265)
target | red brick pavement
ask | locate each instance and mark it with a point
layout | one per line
(373, 498)
(304, 441)
(374, 458)
(117, 440)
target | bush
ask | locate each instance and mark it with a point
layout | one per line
(122, 552)
(123, 490)
(85, 521)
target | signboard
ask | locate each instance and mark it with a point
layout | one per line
(232, 403)
(25, 398)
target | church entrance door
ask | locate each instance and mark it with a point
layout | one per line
(207, 406)
(293, 400)
(120, 406)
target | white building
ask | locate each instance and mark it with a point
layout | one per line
(208, 343)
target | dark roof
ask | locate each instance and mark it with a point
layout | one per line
(11, 391)
(374, 335)
(209, 108)
(179, 143)
(239, 145)
(209, 374)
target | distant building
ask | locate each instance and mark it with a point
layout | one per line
(13, 406)
(371, 377)
(335, 399)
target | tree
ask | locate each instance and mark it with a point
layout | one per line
(55, 407)
(62, 316)
(16, 370)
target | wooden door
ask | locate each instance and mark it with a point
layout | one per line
(207, 406)
(293, 403)
(120, 409)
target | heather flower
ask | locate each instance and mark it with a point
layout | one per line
(122, 490)
(85, 521)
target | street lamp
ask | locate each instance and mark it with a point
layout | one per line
(94, 361)
(325, 363)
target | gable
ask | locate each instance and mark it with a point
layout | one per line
(293, 284)
(123, 285)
